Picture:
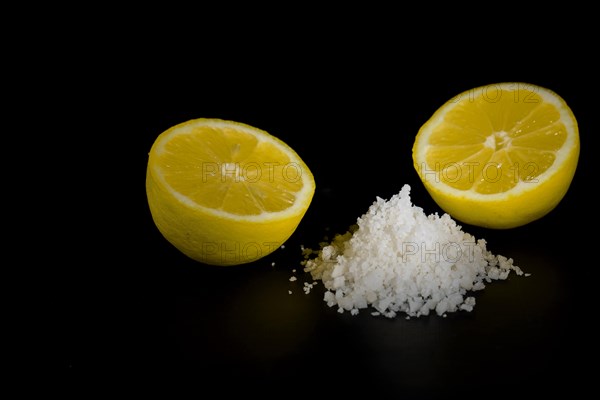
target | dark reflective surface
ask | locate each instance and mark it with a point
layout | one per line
(148, 312)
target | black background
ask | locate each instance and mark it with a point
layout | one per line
(131, 312)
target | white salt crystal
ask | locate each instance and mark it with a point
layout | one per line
(398, 259)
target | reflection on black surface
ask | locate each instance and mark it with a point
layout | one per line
(245, 322)
(163, 314)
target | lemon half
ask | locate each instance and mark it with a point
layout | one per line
(224, 192)
(499, 156)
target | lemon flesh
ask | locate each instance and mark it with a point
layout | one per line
(499, 156)
(226, 193)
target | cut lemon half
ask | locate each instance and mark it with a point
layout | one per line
(500, 155)
(226, 193)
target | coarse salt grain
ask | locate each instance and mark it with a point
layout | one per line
(397, 259)
(308, 287)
